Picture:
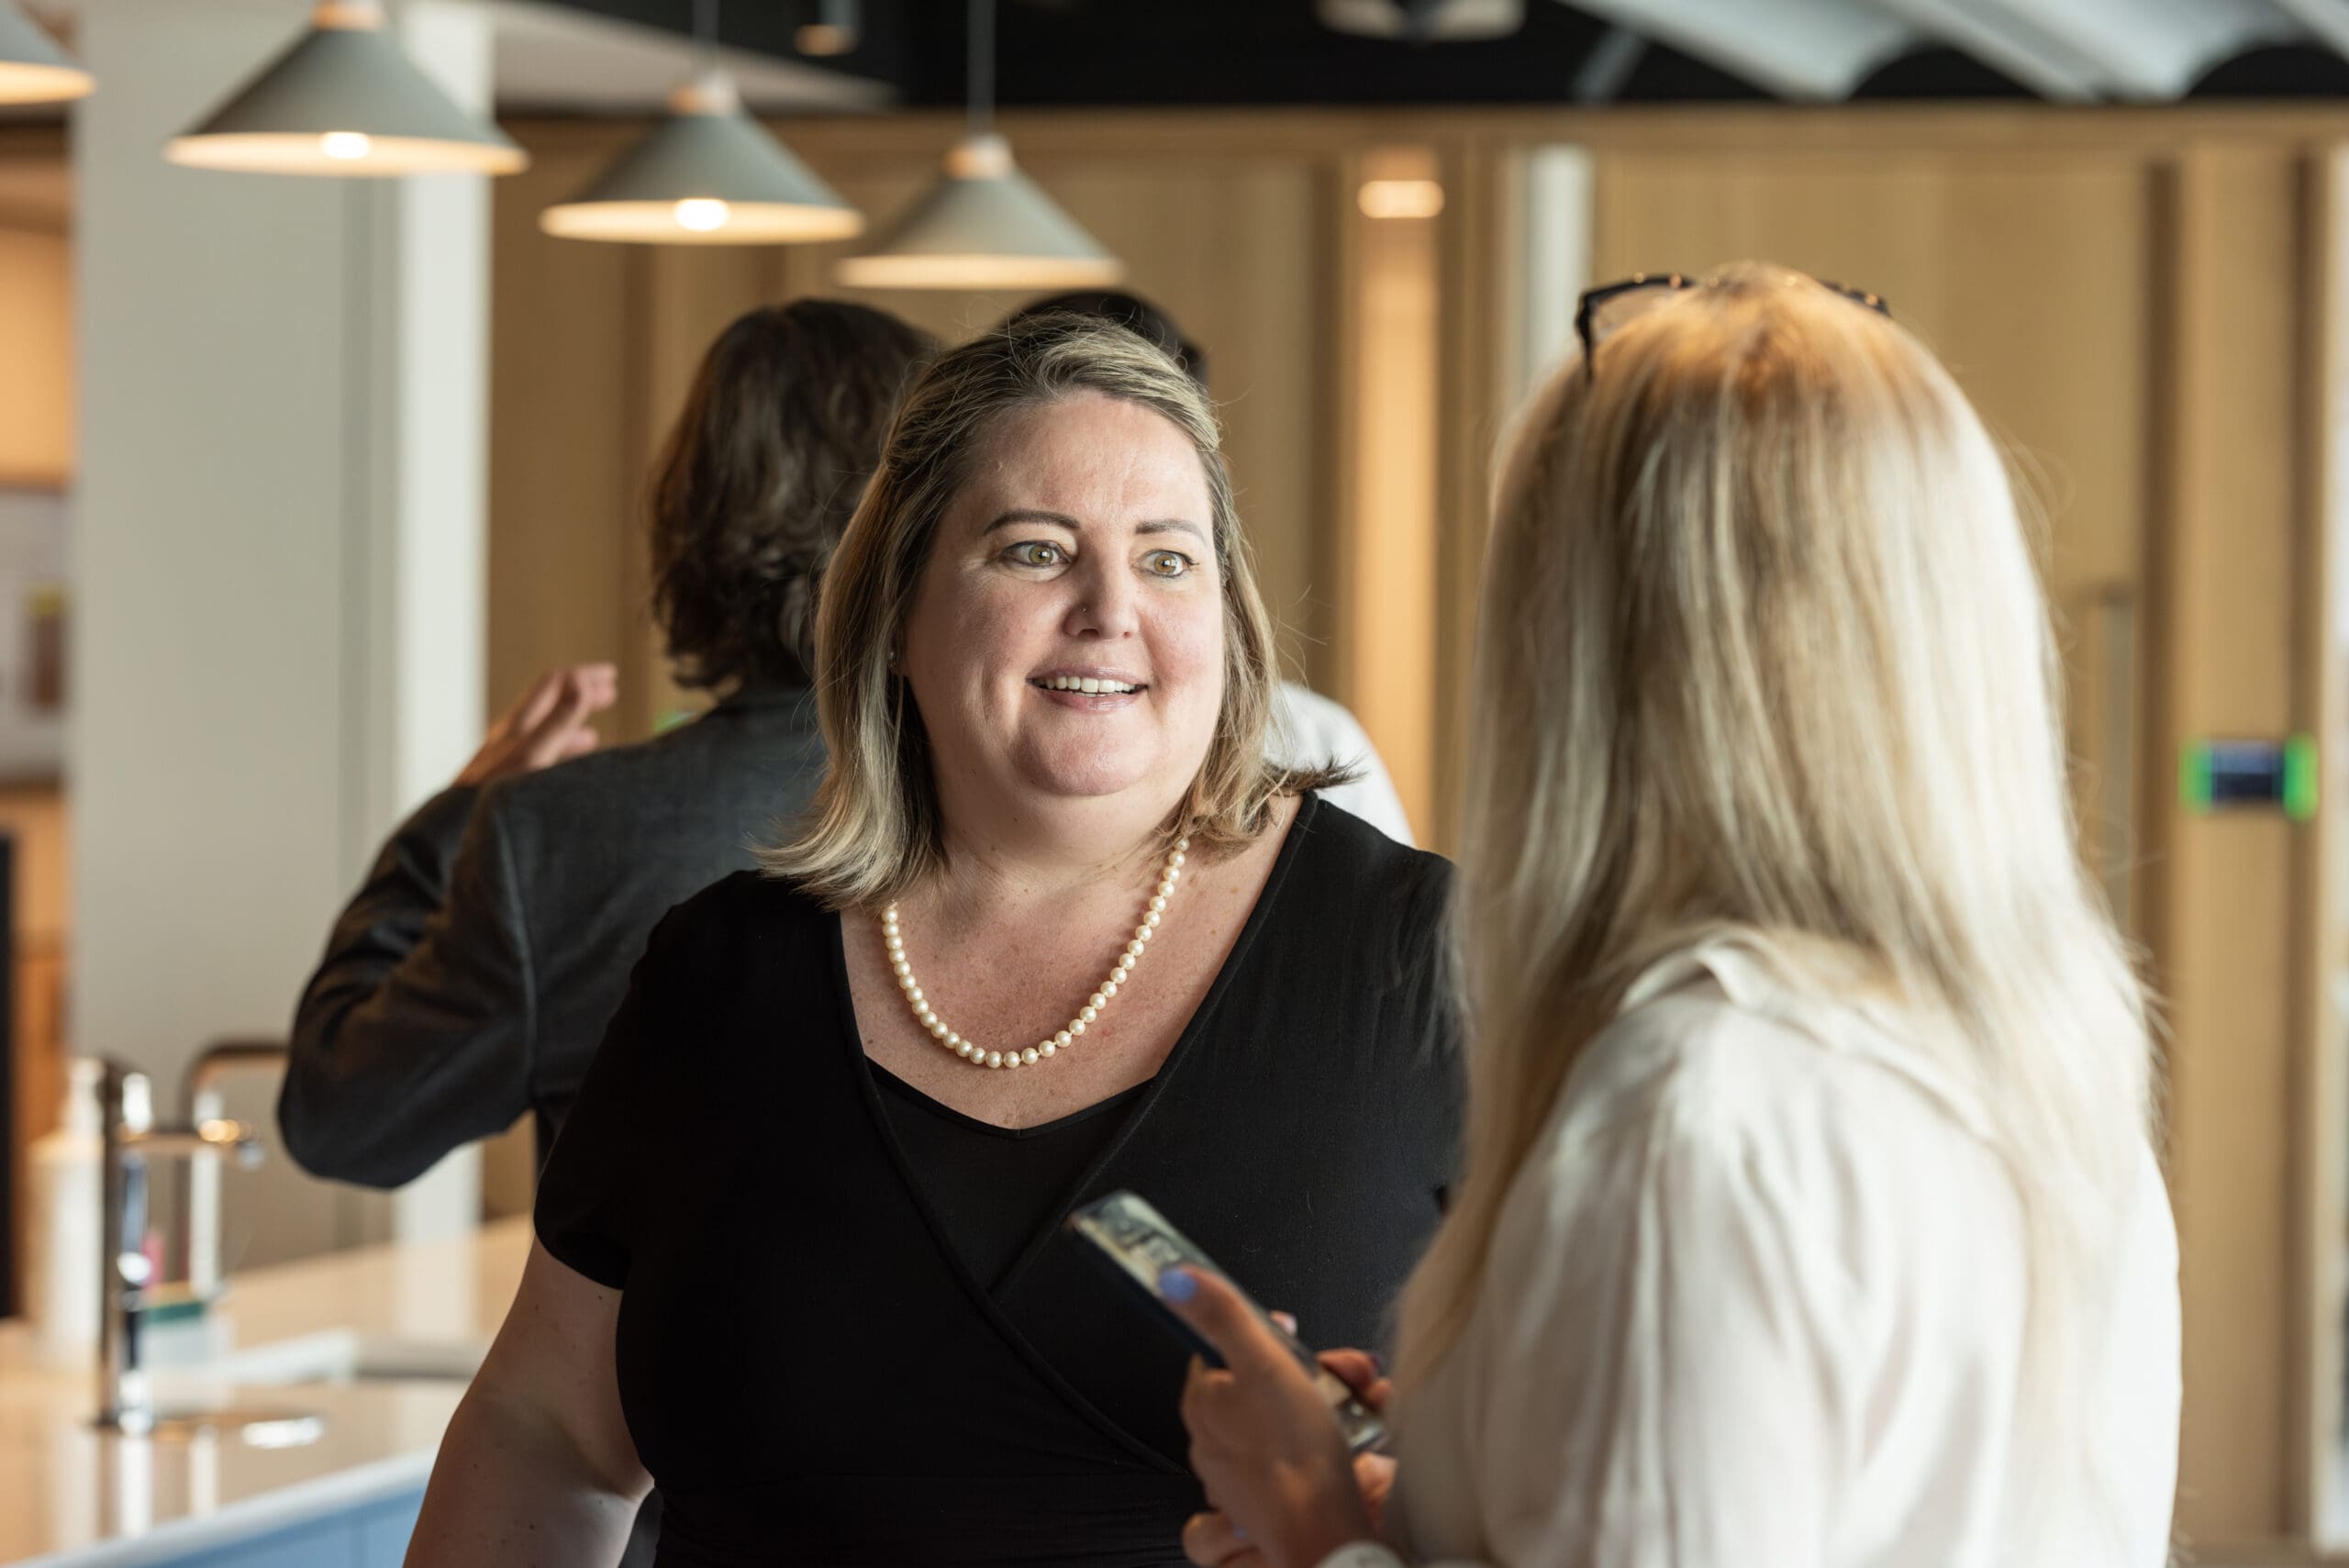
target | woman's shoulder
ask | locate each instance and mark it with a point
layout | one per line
(1342, 861)
(1366, 918)
(745, 910)
(1805, 1100)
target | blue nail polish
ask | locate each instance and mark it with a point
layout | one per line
(1177, 1286)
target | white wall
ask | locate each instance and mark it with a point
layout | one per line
(278, 555)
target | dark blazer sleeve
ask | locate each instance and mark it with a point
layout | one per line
(417, 1032)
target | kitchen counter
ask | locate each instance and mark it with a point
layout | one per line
(376, 1343)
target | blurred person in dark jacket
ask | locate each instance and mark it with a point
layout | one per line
(471, 978)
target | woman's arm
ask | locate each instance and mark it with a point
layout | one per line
(416, 1033)
(538, 1467)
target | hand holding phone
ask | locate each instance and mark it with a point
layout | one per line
(1137, 1245)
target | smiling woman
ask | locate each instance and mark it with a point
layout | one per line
(1053, 487)
(1048, 822)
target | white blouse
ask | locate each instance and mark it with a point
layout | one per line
(1756, 1301)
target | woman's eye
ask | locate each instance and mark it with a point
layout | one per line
(1037, 553)
(1166, 563)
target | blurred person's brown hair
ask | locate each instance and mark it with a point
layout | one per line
(783, 426)
(1138, 316)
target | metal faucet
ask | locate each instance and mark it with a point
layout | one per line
(199, 1104)
(130, 1288)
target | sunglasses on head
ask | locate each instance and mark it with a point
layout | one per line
(1602, 310)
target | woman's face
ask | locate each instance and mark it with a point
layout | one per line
(1066, 639)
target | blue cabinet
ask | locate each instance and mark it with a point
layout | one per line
(373, 1536)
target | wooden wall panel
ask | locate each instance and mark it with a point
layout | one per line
(2222, 907)
(35, 359)
(563, 474)
(2031, 278)
(1389, 574)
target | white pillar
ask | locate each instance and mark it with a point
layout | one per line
(1554, 188)
(279, 553)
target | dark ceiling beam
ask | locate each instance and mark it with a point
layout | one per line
(1160, 53)
(1143, 52)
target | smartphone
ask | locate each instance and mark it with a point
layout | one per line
(1134, 1242)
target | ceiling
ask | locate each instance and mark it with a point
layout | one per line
(611, 57)
(1278, 51)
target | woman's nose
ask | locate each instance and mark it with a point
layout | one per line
(1108, 606)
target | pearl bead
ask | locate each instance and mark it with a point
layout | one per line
(1134, 948)
(1157, 904)
(902, 967)
(1060, 1039)
(963, 1048)
(1047, 1048)
(953, 1038)
(1098, 997)
(937, 1026)
(1109, 989)
(1076, 1026)
(1125, 966)
(913, 995)
(995, 1059)
(1029, 1055)
(1012, 1059)
(1176, 859)
(1150, 919)
(1087, 1015)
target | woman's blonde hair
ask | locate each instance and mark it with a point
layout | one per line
(875, 827)
(1762, 652)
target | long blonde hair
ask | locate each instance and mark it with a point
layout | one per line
(875, 827)
(1763, 651)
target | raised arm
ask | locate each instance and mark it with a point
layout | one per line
(538, 1467)
(414, 1036)
(416, 1033)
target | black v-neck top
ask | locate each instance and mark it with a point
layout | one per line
(810, 1364)
(995, 1187)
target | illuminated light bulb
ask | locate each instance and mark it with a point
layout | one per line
(701, 213)
(346, 145)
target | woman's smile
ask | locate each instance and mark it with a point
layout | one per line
(1089, 689)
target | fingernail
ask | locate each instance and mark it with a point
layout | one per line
(1177, 1286)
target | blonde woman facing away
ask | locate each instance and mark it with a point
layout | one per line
(1810, 1217)
(1055, 927)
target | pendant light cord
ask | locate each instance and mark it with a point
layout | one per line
(981, 93)
(705, 37)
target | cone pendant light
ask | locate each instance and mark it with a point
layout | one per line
(709, 175)
(33, 70)
(984, 224)
(345, 100)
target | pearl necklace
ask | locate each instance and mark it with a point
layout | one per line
(978, 1056)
